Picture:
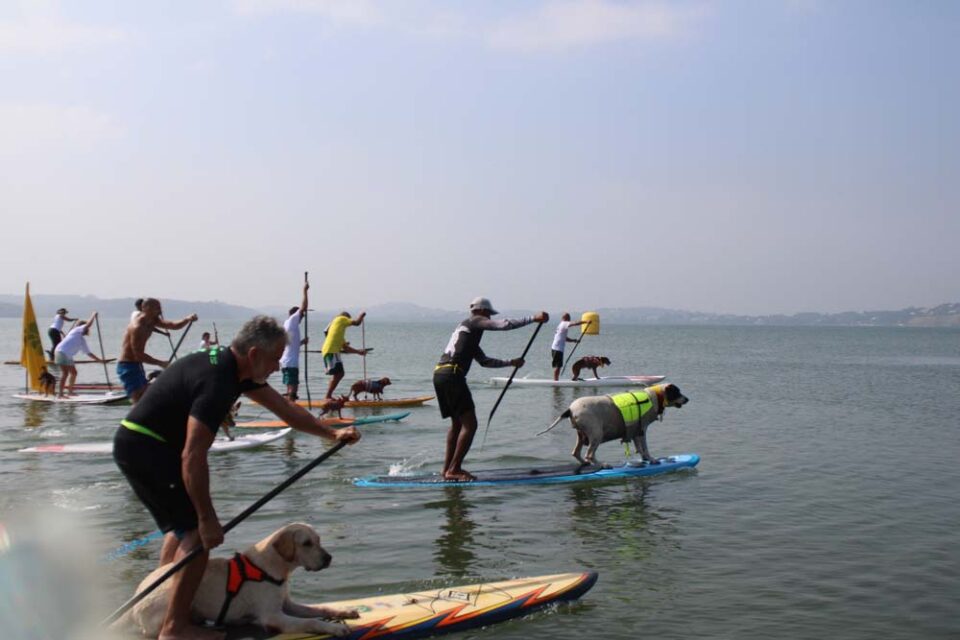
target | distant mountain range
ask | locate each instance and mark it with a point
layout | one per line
(944, 315)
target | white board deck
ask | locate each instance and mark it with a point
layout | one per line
(220, 445)
(604, 381)
(83, 398)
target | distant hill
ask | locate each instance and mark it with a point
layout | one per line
(944, 315)
(82, 306)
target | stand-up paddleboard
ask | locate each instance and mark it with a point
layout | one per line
(604, 381)
(393, 402)
(538, 475)
(87, 398)
(51, 363)
(435, 611)
(219, 444)
(335, 422)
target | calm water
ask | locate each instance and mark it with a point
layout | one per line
(825, 504)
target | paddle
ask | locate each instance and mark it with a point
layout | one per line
(507, 386)
(216, 335)
(582, 333)
(363, 347)
(306, 352)
(173, 356)
(230, 525)
(103, 355)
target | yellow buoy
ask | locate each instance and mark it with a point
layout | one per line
(592, 329)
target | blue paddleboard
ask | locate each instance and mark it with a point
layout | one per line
(539, 475)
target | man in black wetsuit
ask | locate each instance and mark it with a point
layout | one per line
(450, 379)
(161, 447)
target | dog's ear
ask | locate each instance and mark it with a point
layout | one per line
(286, 546)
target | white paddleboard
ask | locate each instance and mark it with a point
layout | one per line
(604, 381)
(84, 398)
(220, 445)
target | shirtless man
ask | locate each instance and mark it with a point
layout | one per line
(133, 353)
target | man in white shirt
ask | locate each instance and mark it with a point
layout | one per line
(560, 341)
(290, 360)
(63, 355)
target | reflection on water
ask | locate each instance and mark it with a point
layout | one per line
(616, 520)
(34, 413)
(454, 553)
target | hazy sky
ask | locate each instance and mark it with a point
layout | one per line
(744, 157)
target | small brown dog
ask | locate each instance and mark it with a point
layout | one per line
(374, 387)
(48, 382)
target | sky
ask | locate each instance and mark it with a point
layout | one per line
(730, 157)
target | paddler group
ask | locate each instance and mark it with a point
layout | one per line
(161, 446)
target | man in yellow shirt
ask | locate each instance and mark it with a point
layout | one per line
(335, 344)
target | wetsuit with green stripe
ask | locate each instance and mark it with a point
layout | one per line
(149, 443)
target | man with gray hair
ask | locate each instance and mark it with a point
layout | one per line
(161, 447)
(450, 379)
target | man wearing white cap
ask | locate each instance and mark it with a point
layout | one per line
(450, 379)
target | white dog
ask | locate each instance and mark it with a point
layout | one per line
(599, 419)
(252, 587)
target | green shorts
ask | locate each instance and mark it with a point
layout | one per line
(291, 376)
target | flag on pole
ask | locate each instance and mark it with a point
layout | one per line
(31, 351)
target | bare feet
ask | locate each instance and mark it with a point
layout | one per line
(193, 632)
(459, 476)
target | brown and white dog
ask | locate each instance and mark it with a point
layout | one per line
(374, 387)
(597, 419)
(264, 601)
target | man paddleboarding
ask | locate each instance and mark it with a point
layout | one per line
(133, 353)
(55, 332)
(65, 351)
(161, 448)
(335, 344)
(450, 379)
(560, 340)
(290, 360)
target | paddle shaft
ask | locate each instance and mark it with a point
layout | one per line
(103, 354)
(507, 386)
(363, 347)
(582, 333)
(306, 351)
(173, 356)
(227, 527)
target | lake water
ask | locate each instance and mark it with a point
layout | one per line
(825, 504)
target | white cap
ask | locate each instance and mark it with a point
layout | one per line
(482, 304)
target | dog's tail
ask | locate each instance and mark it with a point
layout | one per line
(565, 414)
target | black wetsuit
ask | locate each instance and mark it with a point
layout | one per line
(148, 445)
(450, 375)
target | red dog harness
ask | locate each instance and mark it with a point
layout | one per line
(240, 570)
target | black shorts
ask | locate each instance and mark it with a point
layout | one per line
(557, 361)
(153, 470)
(453, 394)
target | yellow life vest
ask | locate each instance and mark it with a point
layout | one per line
(633, 405)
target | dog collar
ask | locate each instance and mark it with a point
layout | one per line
(241, 569)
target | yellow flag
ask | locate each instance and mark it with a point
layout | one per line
(31, 353)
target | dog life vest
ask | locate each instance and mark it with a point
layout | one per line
(240, 570)
(635, 406)
(372, 386)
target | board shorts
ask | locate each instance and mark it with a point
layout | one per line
(453, 394)
(332, 364)
(291, 376)
(557, 358)
(153, 470)
(132, 376)
(62, 359)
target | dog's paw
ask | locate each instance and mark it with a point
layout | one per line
(346, 614)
